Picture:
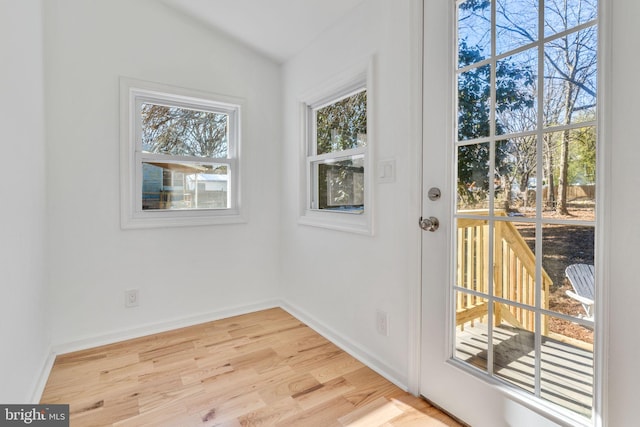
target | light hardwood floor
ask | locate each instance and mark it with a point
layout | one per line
(261, 369)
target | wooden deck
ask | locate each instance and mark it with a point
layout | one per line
(566, 375)
(261, 369)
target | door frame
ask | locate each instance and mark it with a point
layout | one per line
(416, 33)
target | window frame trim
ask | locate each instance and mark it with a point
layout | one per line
(359, 77)
(133, 93)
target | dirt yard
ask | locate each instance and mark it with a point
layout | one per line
(563, 245)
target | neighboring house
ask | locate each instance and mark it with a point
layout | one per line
(173, 186)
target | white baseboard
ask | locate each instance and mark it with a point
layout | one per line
(347, 345)
(41, 380)
(335, 337)
(164, 326)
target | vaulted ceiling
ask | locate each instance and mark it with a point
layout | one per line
(277, 28)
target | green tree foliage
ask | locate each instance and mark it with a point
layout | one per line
(475, 5)
(473, 95)
(343, 124)
(582, 162)
(513, 92)
(184, 132)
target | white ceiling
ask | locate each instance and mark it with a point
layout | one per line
(278, 28)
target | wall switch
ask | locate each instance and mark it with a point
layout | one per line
(387, 170)
(382, 323)
(131, 298)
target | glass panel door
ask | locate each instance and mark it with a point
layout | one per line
(524, 212)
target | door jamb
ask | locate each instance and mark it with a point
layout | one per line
(416, 95)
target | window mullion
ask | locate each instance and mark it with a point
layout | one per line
(538, 225)
(182, 159)
(337, 155)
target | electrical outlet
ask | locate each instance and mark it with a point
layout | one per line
(382, 323)
(131, 298)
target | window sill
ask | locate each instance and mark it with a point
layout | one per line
(350, 222)
(181, 219)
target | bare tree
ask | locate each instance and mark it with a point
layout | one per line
(570, 69)
(184, 132)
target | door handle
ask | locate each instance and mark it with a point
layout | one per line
(429, 224)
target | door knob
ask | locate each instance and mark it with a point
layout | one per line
(429, 224)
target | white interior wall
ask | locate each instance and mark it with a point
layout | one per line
(181, 272)
(338, 279)
(24, 334)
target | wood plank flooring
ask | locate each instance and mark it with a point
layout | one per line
(262, 369)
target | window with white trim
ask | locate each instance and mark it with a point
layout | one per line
(337, 158)
(179, 155)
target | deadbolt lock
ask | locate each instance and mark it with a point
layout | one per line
(434, 194)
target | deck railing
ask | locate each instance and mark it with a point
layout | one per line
(513, 274)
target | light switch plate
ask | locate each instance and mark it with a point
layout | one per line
(387, 170)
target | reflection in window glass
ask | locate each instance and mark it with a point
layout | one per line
(341, 184)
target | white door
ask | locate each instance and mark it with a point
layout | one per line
(509, 138)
